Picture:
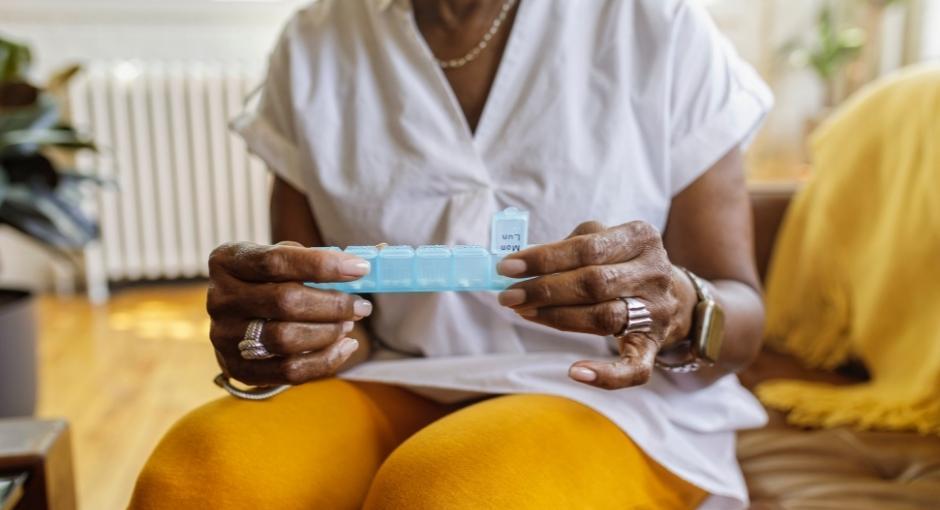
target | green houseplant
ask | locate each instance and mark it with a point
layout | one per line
(833, 49)
(40, 198)
(844, 51)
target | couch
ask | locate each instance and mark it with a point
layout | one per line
(836, 469)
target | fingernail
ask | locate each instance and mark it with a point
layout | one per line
(348, 347)
(362, 308)
(528, 312)
(347, 327)
(355, 267)
(582, 374)
(511, 267)
(512, 297)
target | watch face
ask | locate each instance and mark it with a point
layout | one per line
(710, 330)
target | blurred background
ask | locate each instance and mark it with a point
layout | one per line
(121, 176)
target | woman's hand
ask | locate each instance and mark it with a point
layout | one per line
(578, 285)
(307, 328)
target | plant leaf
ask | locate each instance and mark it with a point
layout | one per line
(17, 94)
(15, 59)
(4, 184)
(69, 210)
(75, 177)
(852, 38)
(41, 215)
(23, 216)
(60, 80)
(43, 114)
(34, 170)
(24, 141)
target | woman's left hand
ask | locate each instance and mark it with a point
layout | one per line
(578, 285)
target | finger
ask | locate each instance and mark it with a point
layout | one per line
(296, 369)
(288, 338)
(293, 302)
(279, 338)
(285, 338)
(285, 262)
(618, 244)
(633, 368)
(588, 227)
(607, 318)
(586, 285)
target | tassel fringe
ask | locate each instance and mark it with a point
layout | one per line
(862, 407)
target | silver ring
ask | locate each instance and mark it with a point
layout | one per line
(639, 319)
(253, 354)
(247, 345)
(251, 347)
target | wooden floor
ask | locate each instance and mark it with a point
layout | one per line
(122, 374)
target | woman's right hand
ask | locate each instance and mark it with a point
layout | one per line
(306, 328)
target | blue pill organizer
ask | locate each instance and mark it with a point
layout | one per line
(440, 268)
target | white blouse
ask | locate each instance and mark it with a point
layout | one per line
(600, 110)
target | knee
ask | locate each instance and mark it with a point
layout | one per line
(469, 459)
(419, 476)
(197, 462)
(315, 446)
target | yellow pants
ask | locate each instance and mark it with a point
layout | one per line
(336, 444)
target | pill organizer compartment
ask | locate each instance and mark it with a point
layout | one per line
(434, 267)
(472, 267)
(396, 267)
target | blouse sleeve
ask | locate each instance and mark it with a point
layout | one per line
(717, 101)
(267, 123)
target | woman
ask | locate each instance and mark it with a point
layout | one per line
(411, 123)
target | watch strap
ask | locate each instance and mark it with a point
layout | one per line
(690, 362)
(701, 288)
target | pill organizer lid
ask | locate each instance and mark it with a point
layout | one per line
(396, 252)
(433, 251)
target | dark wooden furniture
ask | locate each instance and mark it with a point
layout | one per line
(43, 451)
(769, 204)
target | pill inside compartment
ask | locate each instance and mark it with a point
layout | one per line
(371, 280)
(396, 267)
(434, 267)
(472, 267)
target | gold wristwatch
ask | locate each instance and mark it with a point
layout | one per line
(707, 332)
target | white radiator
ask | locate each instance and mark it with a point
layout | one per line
(184, 183)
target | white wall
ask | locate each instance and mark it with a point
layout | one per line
(62, 31)
(930, 35)
(65, 31)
